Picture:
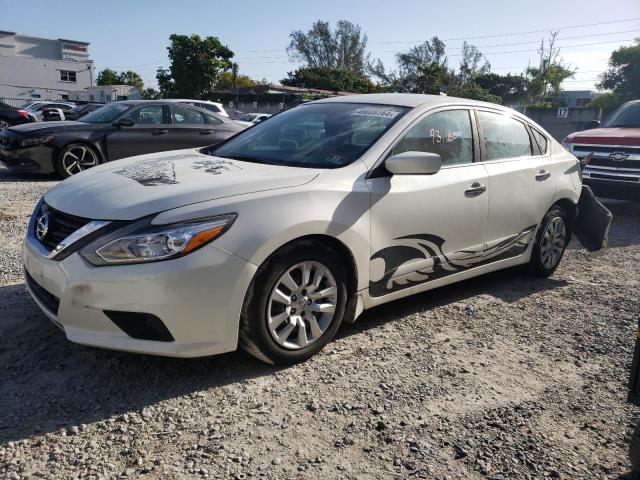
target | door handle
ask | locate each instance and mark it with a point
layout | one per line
(206, 132)
(160, 131)
(476, 189)
(542, 175)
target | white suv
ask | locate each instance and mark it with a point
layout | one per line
(214, 107)
(279, 234)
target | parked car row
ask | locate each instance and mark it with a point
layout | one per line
(56, 114)
(117, 130)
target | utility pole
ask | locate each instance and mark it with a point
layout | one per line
(234, 69)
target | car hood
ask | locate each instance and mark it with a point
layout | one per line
(607, 136)
(140, 186)
(46, 127)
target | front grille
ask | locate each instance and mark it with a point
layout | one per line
(61, 225)
(607, 149)
(607, 162)
(50, 301)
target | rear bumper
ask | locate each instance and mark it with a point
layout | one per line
(35, 159)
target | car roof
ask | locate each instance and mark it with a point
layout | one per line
(411, 100)
(177, 100)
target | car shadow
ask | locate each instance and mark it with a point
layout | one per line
(7, 176)
(50, 383)
(509, 285)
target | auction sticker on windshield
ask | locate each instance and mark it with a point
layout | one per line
(376, 112)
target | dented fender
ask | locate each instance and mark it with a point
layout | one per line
(591, 224)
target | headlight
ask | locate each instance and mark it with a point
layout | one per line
(33, 141)
(143, 242)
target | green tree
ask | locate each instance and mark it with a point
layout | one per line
(473, 91)
(545, 80)
(326, 78)
(607, 101)
(512, 89)
(472, 63)
(623, 75)
(107, 77)
(150, 94)
(196, 65)
(242, 81)
(165, 83)
(131, 78)
(344, 49)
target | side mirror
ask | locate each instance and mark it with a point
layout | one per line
(414, 163)
(592, 124)
(124, 122)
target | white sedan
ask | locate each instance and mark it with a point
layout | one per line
(275, 237)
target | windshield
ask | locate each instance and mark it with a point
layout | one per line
(627, 116)
(324, 135)
(106, 114)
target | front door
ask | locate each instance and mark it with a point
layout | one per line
(424, 227)
(149, 133)
(522, 183)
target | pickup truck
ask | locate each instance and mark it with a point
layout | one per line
(611, 152)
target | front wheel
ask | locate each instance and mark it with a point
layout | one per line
(295, 304)
(551, 242)
(75, 158)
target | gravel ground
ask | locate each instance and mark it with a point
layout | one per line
(503, 376)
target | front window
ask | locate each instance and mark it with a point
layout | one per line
(147, 115)
(627, 116)
(322, 135)
(106, 114)
(248, 117)
(446, 133)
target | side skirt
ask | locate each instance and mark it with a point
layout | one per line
(370, 301)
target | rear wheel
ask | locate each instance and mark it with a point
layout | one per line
(4, 124)
(295, 304)
(75, 158)
(551, 242)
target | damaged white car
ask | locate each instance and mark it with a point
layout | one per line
(273, 238)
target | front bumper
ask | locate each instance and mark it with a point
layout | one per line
(617, 189)
(33, 159)
(198, 298)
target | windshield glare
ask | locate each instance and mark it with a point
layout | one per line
(324, 135)
(106, 114)
(627, 116)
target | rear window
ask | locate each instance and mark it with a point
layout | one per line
(504, 137)
(540, 140)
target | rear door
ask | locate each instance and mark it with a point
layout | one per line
(522, 183)
(192, 128)
(149, 133)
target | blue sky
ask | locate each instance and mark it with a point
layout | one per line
(134, 34)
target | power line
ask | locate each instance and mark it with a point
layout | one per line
(568, 27)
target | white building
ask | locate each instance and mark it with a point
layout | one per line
(106, 94)
(33, 68)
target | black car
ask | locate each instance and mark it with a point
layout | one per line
(118, 130)
(10, 116)
(75, 113)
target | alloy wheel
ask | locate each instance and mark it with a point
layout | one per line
(302, 305)
(4, 124)
(77, 159)
(553, 242)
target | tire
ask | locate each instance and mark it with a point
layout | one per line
(279, 341)
(4, 124)
(551, 242)
(84, 155)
